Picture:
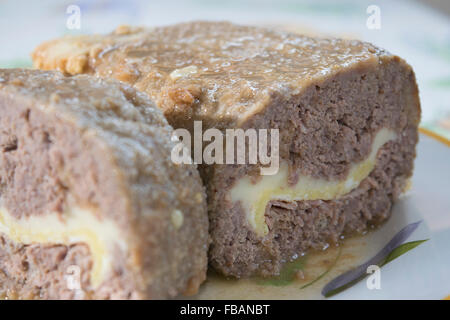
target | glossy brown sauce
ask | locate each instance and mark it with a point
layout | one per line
(333, 261)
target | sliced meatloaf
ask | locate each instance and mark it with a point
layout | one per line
(346, 112)
(90, 206)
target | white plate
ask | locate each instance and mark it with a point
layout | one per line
(422, 273)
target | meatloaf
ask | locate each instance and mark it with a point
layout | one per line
(346, 111)
(90, 205)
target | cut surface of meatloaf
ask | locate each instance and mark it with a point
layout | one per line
(347, 114)
(91, 205)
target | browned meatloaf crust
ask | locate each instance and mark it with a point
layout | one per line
(78, 143)
(328, 97)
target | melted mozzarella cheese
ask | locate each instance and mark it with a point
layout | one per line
(254, 197)
(73, 226)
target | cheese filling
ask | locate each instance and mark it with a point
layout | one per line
(254, 197)
(73, 226)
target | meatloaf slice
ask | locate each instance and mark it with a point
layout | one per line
(90, 205)
(347, 114)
